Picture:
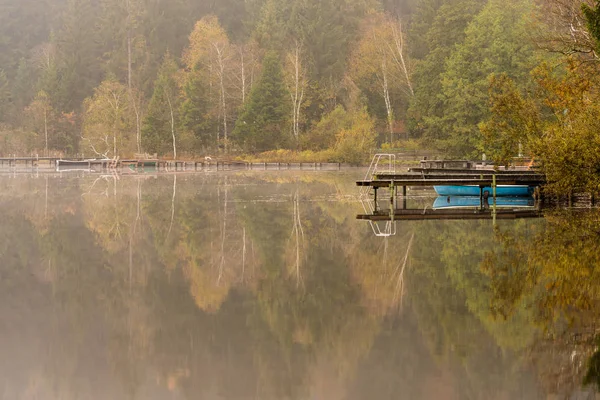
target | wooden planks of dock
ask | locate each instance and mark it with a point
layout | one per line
(477, 178)
(166, 165)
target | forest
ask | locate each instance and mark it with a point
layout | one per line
(326, 80)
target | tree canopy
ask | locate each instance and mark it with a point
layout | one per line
(423, 70)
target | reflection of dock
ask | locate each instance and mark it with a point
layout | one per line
(451, 214)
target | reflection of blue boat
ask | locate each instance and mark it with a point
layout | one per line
(501, 190)
(470, 201)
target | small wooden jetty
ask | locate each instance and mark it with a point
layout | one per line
(141, 163)
(382, 175)
(393, 182)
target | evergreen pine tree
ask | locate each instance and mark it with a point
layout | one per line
(264, 122)
(496, 42)
(592, 15)
(196, 115)
(80, 70)
(160, 122)
(5, 98)
(447, 30)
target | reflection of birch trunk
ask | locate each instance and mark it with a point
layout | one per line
(399, 290)
(133, 234)
(243, 254)
(46, 202)
(117, 225)
(172, 205)
(298, 233)
(223, 234)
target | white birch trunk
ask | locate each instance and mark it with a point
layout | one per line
(172, 125)
(297, 92)
(388, 102)
(221, 65)
(243, 77)
(399, 54)
(46, 126)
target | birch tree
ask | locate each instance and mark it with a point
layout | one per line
(41, 113)
(124, 47)
(247, 58)
(380, 64)
(297, 82)
(210, 49)
(162, 120)
(107, 123)
(563, 27)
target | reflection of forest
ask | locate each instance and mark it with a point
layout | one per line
(265, 287)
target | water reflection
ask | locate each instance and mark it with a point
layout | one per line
(263, 286)
(446, 202)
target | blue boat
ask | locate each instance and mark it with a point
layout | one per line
(501, 190)
(472, 201)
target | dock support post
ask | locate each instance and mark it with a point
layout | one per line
(494, 199)
(570, 198)
(404, 199)
(481, 196)
(375, 197)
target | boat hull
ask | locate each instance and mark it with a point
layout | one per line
(472, 201)
(501, 190)
(78, 163)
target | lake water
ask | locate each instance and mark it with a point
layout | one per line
(263, 285)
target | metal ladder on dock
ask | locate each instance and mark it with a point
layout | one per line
(380, 164)
(380, 229)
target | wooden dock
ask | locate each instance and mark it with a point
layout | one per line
(446, 173)
(163, 165)
(476, 178)
(464, 178)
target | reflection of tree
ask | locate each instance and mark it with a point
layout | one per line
(592, 376)
(221, 307)
(450, 301)
(558, 266)
(553, 271)
(298, 238)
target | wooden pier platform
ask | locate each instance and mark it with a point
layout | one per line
(516, 171)
(458, 179)
(162, 164)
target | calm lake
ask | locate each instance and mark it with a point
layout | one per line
(263, 285)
